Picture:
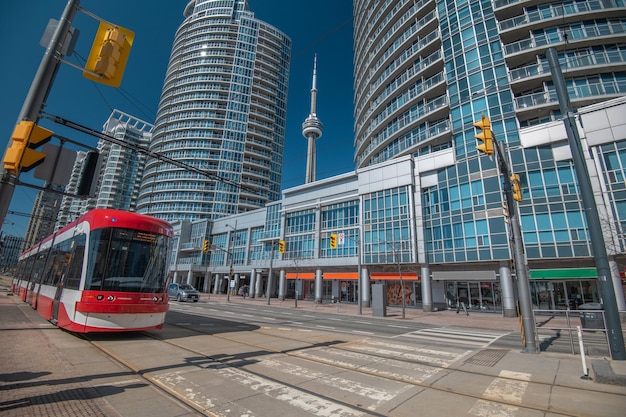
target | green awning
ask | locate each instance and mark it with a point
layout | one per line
(564, 273)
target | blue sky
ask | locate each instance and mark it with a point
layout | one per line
(325, 29)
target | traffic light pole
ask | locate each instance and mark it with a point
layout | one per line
(38, 93)
(598, 246)
(521, 268)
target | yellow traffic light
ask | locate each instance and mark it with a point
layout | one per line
(21, 156)
(486, 137)
(333, 241)
(281, 246)
(206, 245)
(517, 188)
(109, 54)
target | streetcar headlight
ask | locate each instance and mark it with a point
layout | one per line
(111, 298)
(100, 297)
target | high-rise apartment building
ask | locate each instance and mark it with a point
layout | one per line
(222, 112)
(44, 215)
(73, 207)
(117, 179)
(121, 165)
(425, 71)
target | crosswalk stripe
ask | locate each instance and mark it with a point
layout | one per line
(478, 338)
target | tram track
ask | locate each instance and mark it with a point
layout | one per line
(437, 372)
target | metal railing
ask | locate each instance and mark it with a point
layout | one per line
(553, 323)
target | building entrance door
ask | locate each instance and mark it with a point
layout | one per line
(476, 295)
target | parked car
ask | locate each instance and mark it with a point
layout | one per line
(183, 292)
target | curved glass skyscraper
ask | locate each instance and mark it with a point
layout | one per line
(222, 111)
(425, 69)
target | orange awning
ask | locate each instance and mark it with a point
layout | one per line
(393, 276)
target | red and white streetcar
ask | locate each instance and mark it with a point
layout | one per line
(104, 272)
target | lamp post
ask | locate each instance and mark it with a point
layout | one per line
(269, 276)
(232, 259)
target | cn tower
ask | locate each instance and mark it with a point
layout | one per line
(312, 129)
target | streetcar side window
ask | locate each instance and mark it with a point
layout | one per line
(75, 258)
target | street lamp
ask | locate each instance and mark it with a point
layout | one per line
(269, 276)
(232, 259)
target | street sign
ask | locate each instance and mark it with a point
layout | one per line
(340, 238)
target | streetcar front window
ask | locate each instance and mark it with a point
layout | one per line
(126, 260)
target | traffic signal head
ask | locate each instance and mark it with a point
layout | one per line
(281, 246)
(109, 54)
(21, 156)
(486, 137)
(206, 245)
(517, 188)
(333, 241)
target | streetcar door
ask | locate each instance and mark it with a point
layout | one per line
(59, 281)
(54, 316)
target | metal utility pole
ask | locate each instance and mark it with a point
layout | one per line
(488, 147)
(38, 93)
(598, 246)
(521, 268)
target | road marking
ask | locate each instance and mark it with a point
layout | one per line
(479, 338)
(294, 397)
(370, 392)
(439, 358)
(510, 388)
(360, 332)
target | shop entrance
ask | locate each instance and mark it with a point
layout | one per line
(476, 295)
(563, 295)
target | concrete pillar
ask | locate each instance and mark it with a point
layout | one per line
(427, 289)
(258, 286)
(189, 279)
(318, 286)
(365, 291)
(252, 283)
(508, 295)
(207, 282)
(282, 285)
(216, 283)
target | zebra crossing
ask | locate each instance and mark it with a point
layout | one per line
(476, 338)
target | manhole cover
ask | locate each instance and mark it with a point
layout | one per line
(487, 357)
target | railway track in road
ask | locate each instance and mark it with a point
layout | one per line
(270, 370)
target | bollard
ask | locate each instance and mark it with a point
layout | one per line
(582, 354)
